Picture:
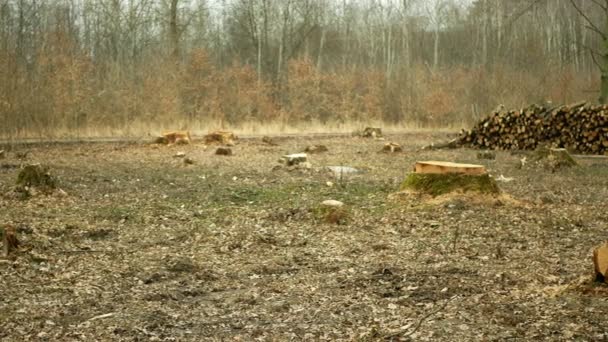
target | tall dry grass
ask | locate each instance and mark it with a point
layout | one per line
(65, 94)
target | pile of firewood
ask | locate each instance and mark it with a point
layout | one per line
(580, 127)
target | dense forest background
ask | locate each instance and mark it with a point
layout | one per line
(103, 67)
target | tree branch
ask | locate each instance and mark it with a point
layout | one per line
(591, 25)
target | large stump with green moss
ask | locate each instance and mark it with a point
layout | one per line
(439, 178)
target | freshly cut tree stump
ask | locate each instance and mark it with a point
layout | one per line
(438, 178)
(439, 167)
(600, 262)
(174, 137)
(220, 137)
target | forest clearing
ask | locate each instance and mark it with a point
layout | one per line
(139, 245)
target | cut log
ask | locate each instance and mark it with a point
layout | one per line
(439, 167)
(600, 263)
(579, 127)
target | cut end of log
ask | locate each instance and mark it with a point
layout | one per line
(441, 168)
(600, 262)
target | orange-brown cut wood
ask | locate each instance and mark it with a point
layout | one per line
(439, 167)
(600, 262)
(177, 137)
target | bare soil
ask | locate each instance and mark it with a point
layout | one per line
(143, 247)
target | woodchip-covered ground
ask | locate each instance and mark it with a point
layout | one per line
(142, 247)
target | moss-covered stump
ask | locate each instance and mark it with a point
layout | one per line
(554, 158)
(36, 175)
(440, 184)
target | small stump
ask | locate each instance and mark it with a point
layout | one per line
(372, 132)
(316, 149)
(269, 141)
(600, 263)
(554, 159)
(9, 238)
(37, 176)
(221, 138)
(391, 147)
(293, 159)
(2, 154)
(333, 212)
(439, 178)
(174, 137)
(223, 151)
(488, 155)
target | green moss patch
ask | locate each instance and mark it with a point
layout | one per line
(440, 184)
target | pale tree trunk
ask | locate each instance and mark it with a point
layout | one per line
(173, 29)
(602, 63)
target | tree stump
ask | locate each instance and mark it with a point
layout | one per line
(316, 149)
(391, 147)
(372, 132)
(9, 239)
(293, 159)
(221, 138)
(174, 137)
(439, 178)
(223, 151)
(600, 263)
(36, 175)
(554, 159)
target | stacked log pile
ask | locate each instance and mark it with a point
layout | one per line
(580, 127)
